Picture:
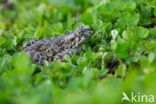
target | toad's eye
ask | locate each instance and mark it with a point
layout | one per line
(81, 32)
(84, 31)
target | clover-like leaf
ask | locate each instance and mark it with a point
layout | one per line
(141, 32)
(122, 49)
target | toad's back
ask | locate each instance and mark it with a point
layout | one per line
(56, 47)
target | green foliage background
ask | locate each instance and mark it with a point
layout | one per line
(119, 57)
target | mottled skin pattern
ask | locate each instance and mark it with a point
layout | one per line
(55, 48)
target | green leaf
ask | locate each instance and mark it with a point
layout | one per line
(121, 71)
(2, 40)
(88, 75)
(153, 32)
(37, 35)
(141, 32)
(87, 18)
(95, 1)
(125, 35)
(131, 5)
(67, 58)
(10, 44)
(103, 72)
(74, 59)
(152, 3)
(122, 49)
(62, 2)
(110, 6)
(127, 19)
(57, 28)
(89, 55)
(98, 25)
(21, 62)
(113, 44)
(155, 12)
(1, 31)
(151, 57)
